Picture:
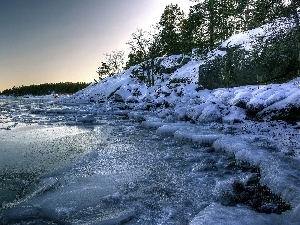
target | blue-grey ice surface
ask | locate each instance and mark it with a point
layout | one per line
(58, 168)
(119, 151)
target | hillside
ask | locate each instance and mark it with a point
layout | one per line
(172, 87)
(259, 123)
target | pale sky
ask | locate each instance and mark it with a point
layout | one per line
(48, 41)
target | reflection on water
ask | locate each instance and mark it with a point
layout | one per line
(39, 148)
(30, 147)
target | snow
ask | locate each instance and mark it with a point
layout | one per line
(256, 124)
(270, 145)
(279, 173)
(226, 119)
(276, 154)
(247, 39)
(189, 70)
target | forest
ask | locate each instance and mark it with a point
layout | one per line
(46, 89)
(208, 23)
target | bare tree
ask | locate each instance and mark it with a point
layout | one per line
(114, 63)
(139, 42)
(139, 47)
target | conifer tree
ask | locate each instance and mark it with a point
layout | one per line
(171, 26)
(267, 10)
(212, 21)
(103, 71)
(194, 30)
(295, 12)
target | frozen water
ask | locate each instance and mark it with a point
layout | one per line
(42, 148)
(94, 160)
(89, 164)
(216, 214)
(111, 169)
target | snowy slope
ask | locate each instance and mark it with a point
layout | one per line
(175, 88)
(258, 124)
(184, 102)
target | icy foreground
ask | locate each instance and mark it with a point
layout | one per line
(165, 154)
(172, 172)
(257, 124)
(128, 173)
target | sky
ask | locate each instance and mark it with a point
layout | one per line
(49, 41)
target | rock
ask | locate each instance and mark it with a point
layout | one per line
(269, 208)
(287, 109)
(289, 113)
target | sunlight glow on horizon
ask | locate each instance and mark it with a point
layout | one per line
(65, 41)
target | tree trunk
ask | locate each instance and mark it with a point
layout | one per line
(297, 26)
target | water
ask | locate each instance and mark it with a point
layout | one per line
(56, 170)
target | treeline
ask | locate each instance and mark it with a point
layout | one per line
(46, 89)
(208, 23)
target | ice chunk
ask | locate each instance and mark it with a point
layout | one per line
(216, 214)
(170, 129)
(241, 98)
(197, 134)
(152, 124)
(235, 115)
(205, 139)
(210, 113)
(280, 174)
(86, 118)
(116, 219)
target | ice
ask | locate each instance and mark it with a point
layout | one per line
(116, 219)
(164, 181)
(205, 139)
(210, 113)
(278, 173)
(216, 214)
(186, 132)
(93, 189)
(151, 121)
(76, 203)
(42, 148)
(271, 146)
(90, 158)
(86, 118)
(152, 124)
(235, 115)
(170, 129)
(84, 191)
(224, 215)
